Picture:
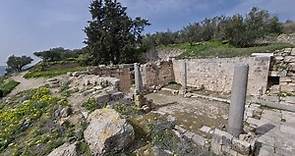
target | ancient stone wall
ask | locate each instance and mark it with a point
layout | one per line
(122, 72)
(217, 74)
(286, 38)
(283, 66)
(157, 73)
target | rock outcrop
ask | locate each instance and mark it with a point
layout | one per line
(107, 132)
(66, 149)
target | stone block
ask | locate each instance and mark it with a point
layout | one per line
(103, 98)
(206, 130)
(289, 59)
(293, 52)
(222, 137)
(117, 96)
(291, 67)
(241, 147)
(271, 98)
(288, 88)
(226, 150)
(199, 140)
(289, 99)
(278, 58)
(216, 148)
(285, 79)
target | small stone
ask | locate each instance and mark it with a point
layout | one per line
(206, 130)
(199, 140)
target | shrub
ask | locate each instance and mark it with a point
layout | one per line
(90, 105)
(6, 86)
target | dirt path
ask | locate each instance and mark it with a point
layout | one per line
(26, 84)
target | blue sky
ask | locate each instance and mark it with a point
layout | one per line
(33, 25)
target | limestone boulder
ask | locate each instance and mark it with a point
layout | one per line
(66, 149)
(107, 132)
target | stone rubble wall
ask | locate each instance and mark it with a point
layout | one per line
(217, 74)
(157, 73)
(286, 38)
(122, 72)
(283, 66)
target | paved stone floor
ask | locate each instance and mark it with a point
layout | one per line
(275, 132)
(191, 113)
(274, 129)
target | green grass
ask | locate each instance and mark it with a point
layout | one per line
(29, 126)
(7, 85)
(51, 72)
(213, 49)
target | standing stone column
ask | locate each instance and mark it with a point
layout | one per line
(183, 77)
(138, 80)
(238, 99)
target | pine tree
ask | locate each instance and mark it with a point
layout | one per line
(112, 36)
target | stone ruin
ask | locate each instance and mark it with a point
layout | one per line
(260, 93)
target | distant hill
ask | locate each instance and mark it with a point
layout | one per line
(2, 70)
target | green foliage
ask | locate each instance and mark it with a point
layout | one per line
(29, 124)
(16, 64)
(52, 70)
(90, 105)
(17, 119)
(240, 31)
(213, 49)
(112, 36)
(126, 109)
(83, 149)
(64, 89)
(58, 54)
(6, 86)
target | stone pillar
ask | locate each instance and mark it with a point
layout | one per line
(138, 80)
(184, 77)
(238, 99)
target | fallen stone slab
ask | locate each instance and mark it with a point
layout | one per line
(209, 98)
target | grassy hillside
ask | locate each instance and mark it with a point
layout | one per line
(29, 124)
(212, 49)
(7, 85)
(53, 69)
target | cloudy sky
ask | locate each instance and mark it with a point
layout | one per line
(33, 25)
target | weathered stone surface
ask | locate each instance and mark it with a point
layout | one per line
(107, 132)
(289, 99)
(271, 98)
(206, 130)
(289, 59)
(241, 147)
(66, 149)
(288, 88)
(199, 140)
(221, 137)
(103, 98)
(217, 74)
(293, 52)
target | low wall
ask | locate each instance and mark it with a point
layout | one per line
(217, 74)
(157, 73)
(122, 72)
